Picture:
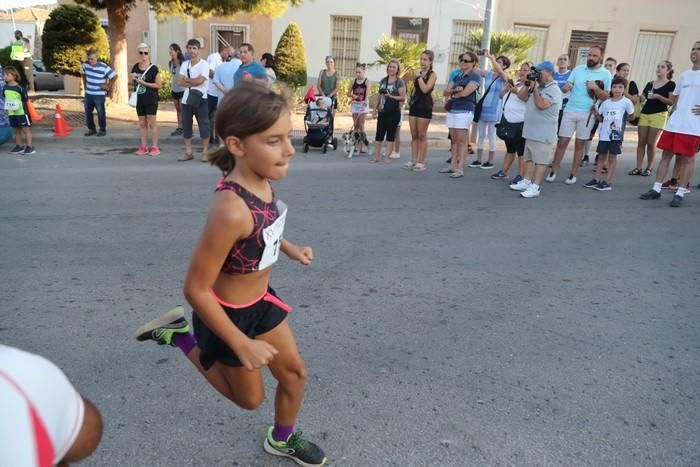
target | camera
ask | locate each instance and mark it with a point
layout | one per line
(534, 75)
(383, 91)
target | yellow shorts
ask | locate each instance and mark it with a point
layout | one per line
(657, 120)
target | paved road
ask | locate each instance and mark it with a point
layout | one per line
(444, 323)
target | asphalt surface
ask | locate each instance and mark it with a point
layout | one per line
(444, 322)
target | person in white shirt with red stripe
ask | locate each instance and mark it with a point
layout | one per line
(44, 421)
(681, 134)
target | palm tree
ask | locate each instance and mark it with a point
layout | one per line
(406, 52)
(513, 45)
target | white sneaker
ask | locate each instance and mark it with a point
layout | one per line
(419, 167)
(446, 170)
(531, 192)
(551, 177)
(395, 155)
(522, 185)
(408, 165)
(571, 180)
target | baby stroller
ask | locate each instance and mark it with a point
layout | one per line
(318, 123)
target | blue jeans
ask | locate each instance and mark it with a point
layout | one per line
(95, 103)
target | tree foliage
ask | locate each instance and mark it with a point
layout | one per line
(69, 32)
(290, 57)
(511, 44)
(117, 11)
(406, 52)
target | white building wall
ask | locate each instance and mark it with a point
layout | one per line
(29, 30)
(314, 20)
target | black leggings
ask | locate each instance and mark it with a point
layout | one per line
(387, 124)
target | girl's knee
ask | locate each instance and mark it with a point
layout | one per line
(293, 375)
(249, 401)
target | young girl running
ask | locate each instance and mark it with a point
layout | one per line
(358, 95)
(239, 322)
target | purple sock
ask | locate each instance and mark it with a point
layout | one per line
(185, 341)
(281, 433)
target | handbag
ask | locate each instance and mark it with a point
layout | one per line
(509, 131)
(194, 96)
(134, 96)
(480, 104)
(506, 130)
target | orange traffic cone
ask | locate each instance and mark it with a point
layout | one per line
(62, 128)
(33, 114)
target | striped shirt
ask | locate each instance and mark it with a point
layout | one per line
(95, 77)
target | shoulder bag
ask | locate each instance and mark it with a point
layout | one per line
(194, 96)
(506, 130)
(134, 96)
(480, 103)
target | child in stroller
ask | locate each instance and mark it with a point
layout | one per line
(318, 123)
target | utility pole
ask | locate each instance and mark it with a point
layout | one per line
(486, 37)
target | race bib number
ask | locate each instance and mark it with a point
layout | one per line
(272, 236)
(11, 105)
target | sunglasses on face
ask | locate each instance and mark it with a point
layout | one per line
(143, 52)
(463, 60)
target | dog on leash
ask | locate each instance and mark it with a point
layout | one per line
(352, 139)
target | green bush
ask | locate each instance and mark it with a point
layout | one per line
(290, 58)
(5, 56)
(167, 87)
(69, 32)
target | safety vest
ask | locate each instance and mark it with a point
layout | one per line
(13, 102)
(17, 51)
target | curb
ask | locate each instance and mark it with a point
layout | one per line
(44, 137)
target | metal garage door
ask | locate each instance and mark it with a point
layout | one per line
(652, 47)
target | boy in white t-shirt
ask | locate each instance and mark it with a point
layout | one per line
(612, 113)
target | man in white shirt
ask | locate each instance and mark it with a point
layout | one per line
(215, 60)
(681, 135)
(194, 77)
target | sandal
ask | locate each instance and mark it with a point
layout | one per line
(186, 157)
(646, 172)
(635, 172)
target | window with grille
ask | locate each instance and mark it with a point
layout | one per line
(410, 29)
(652, 47)
(581, 42)
(345, 43)
(460, 42)
(537, 52)
(223, 35)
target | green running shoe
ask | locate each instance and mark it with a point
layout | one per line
(298, 449)
(164, 327)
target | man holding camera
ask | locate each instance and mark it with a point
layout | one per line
(539, 127)
(585, 89)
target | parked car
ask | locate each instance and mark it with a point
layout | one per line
(45, 80)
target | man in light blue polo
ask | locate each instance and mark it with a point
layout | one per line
(224, 75)
(249, 69)
(584, 92)
(98, 79)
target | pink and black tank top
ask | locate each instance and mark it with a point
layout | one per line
(260, 249)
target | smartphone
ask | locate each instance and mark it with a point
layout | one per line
(480, 52)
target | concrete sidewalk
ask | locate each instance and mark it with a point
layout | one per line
(123, 131)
